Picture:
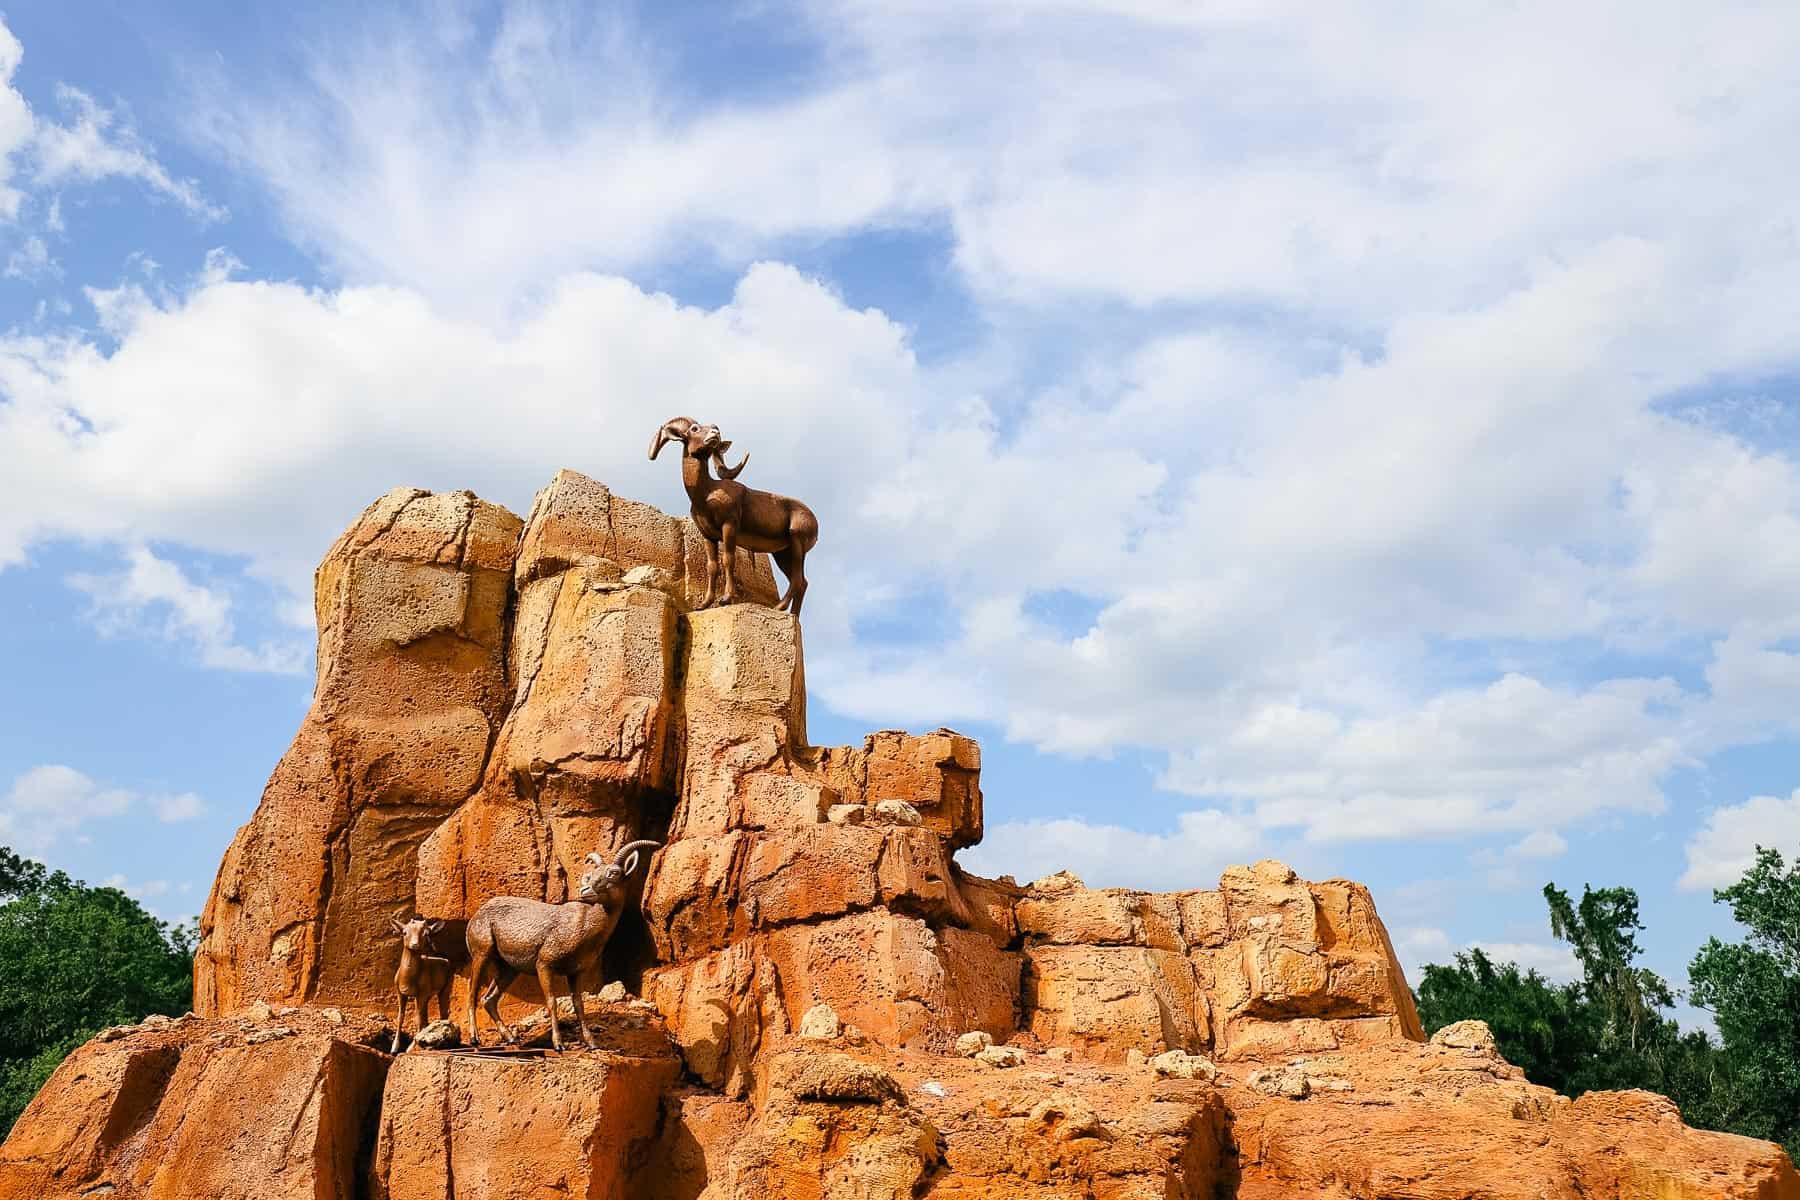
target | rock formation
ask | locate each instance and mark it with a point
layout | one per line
(830, 1006)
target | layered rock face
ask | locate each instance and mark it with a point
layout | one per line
(830, 1006)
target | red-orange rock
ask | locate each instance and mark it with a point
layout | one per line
(226, 1109)
(896, 978)
(467, 1127)
(412, 606)
(705, 893)
(1436, 1123)
(498, 699)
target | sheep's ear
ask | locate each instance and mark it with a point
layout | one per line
(630, 864)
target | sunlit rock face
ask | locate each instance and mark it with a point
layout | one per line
(805, 995)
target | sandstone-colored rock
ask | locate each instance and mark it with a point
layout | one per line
(412, 608)
(937, 775)
(1415, 1122)
(894, 976)
(1001, 1056)
(468, 1127)
(743, 711)
(1177, 1064)
(195, 1108)
(832, 1127)
(894, 812)
(820, 1024)
(1287, 1082)
(974, 1042)
(441, 1034)
(704, 893)
(1106, 1000)
(1467, 1035)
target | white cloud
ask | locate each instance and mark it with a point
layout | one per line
(144, 890)
(1723, 848)
(1377, 440)
(49, 803)
(185, 806)
(1554, 960)
(31, 261)
(154, 596)
(95, 143)
(1189, 856)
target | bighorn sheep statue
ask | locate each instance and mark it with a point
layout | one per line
(511, 935)
(730, 515)
(423, 974)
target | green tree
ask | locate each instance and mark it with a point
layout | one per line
(1542, 1027)
(1752, 989)
(1633, 1040)
(73, 960)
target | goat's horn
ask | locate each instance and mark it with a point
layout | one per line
(630, 848)
(674, 427)
(726, 472)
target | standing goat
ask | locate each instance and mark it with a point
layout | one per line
(512, 935)
(730, 515)
(423, 973)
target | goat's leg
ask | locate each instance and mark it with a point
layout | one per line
(490, 1000)
(587, 1036)
(796, 581)
(784, 558)
(399, 1021)
(712, 570)
(477, 969)
(547, 981)
(728, 552)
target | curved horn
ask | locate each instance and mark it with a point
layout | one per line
(674, 427)
(726, 472)
(631, 848)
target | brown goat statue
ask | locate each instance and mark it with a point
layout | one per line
(730, 515)
(423, 973)
(511, 935)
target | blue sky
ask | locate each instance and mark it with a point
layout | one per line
(1367, 441)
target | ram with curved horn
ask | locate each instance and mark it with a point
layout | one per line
(729, 514)
(511, 935)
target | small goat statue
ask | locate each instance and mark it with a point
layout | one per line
(511, 935)
(423, 973)
(730, 515)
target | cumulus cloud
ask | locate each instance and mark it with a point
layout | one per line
(153, 595)
(1191, 855)
(1421, 945)
(1724, 847)
(1357, 434)
(50, 803)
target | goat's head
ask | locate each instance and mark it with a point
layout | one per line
(698, 441)
(600, 878)
(416, 934)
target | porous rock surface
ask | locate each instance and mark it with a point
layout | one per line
(497, 698)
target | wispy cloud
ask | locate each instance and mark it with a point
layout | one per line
(154, 597)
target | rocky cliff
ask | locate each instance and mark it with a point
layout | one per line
(808, 996)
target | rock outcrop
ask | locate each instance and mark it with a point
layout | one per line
(831, 1006)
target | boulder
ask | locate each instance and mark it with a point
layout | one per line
(474, 1127)
(202, 1108)
(412, 605)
